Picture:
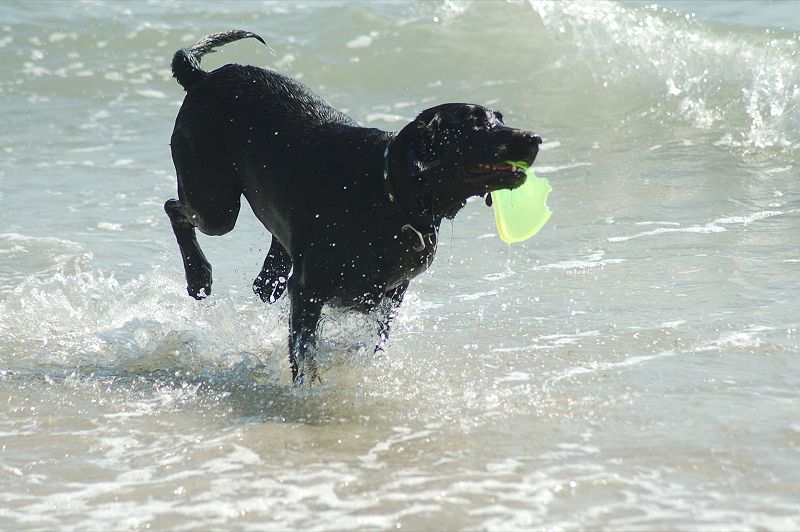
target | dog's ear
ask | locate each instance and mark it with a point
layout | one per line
(424, 154)
(429, 118)
(432, 117)
(427, 139)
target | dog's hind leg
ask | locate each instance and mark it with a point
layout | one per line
(271, 282)
(393, 299)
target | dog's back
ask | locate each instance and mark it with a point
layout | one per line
(224, 92)
(262, 95)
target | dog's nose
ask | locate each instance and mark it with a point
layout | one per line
(531, 139)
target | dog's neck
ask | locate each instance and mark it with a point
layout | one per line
(424, 190)
(417, 215)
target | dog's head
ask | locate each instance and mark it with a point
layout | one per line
(459, 150)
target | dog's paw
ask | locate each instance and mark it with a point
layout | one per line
(198, 282)
(269, 290)
(198, 279)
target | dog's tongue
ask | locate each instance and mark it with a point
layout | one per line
(522, 212)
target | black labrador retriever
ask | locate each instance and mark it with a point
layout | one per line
(353, 212)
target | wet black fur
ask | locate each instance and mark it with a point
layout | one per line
(315, 179)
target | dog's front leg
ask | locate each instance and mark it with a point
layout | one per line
(390, 305)
(303, 321)
(195, 265)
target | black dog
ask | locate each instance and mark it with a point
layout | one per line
(354, 212)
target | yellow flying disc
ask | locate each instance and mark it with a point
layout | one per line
(522, 212)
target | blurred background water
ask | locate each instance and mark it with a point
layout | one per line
(635, 365)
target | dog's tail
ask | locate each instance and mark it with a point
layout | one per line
(186, 61)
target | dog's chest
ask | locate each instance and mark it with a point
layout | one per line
(403, 259)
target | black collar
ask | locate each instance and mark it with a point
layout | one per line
(421, 240)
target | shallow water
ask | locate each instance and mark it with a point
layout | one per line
(635, 365)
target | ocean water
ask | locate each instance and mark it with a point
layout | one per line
(636, 365)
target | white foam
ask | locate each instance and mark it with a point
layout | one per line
(594, 260)
(711, 227)
(478, 295)
(544, 169)
(745, 85)
(362, 41)
(108, 226)
(151, 93)
(695, 229)
(384, 117)
(602, 366)
(748, 219)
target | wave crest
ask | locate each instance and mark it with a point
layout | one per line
(741, 82)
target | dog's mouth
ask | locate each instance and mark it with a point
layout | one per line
(478, 169)
(495, 175)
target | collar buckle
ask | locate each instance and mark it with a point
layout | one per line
(417, 247)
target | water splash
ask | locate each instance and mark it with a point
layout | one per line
(744, 85)
(69, 315)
